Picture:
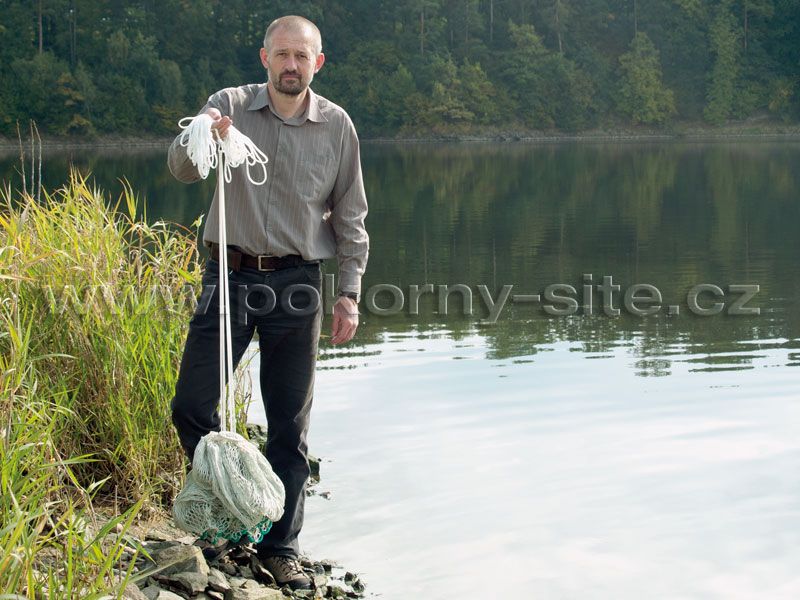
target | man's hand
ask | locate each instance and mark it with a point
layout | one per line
(345, 320)
(221, 124)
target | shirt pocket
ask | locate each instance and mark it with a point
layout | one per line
(312, 174)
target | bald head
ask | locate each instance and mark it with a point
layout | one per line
(296, 25)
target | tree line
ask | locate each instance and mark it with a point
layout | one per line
(408, 67)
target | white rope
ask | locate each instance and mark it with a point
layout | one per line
(239, 149)
(199, 142)
(227, 405)
(207, 153)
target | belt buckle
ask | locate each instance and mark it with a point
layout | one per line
(260, 268)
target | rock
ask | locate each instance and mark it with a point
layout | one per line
(191, 581)
(162, 531)
(254, 591)
(246, 572)
(317, 568)
(349, 577)
(227, 568)
(313, 463)
(336, 592)
(320, 581)
(180, 559)
(214, 595)
(132, 592)
(167, 595)
(237, 582)
(217, 581)
(257, 434)
(358, 585)
(260, 572)
(151, 592)
(186, 539)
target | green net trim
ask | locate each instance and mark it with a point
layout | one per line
(233, 531)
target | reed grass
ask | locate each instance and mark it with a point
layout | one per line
(93, 313)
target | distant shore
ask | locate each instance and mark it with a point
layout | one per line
(755, 129)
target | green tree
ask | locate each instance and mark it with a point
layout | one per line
(643, 97)
(522, 71)
(724, 41)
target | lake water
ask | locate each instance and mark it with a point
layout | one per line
(517, 453)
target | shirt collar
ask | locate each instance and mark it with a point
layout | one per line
(313, 113)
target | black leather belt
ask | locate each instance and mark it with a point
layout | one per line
(237, 260)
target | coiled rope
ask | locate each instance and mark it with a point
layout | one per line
(200, 144)
(207, 152)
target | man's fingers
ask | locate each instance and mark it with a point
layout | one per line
(344, 325)
(221, 124)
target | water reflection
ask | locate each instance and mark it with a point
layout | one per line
(572, 477)
(559, 457)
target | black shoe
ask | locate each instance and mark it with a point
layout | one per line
(214, 552)
(287, 571)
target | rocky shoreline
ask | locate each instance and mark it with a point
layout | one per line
(180, 568)
(168, 564)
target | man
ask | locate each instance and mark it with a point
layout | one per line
(311, 207)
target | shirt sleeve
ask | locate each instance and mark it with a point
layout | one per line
(177, 159)
(348, 213)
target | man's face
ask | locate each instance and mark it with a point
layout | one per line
(291, 62)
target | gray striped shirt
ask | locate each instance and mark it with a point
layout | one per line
(313, 203)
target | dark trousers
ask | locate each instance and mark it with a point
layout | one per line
(286, 312)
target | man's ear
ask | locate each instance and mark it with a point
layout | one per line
(264, 61)
(320, 62)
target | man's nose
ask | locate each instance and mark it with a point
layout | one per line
(291, 63)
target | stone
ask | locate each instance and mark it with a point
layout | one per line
(151, 592)
(260, 572)
(132, 592)
(191, 581)
(335, 591)
(358, 585)
(320, 580)
(214, 595)
(227, 568)
(167, 595)
(257, 434)
(217, 581)
(187, 540)
(237, 582)
(246, 572)
(313, 463)
(180, 558)
(253, 591)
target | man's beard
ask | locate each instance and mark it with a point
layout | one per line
(290, 87)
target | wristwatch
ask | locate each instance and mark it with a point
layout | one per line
(352, 295)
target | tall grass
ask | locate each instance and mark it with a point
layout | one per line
(93, 310)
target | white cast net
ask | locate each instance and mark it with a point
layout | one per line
(230, 492)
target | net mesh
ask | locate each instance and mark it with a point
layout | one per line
(230, 492)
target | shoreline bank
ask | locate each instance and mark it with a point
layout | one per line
(739, 131)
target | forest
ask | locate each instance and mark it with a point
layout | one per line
(407, 68)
